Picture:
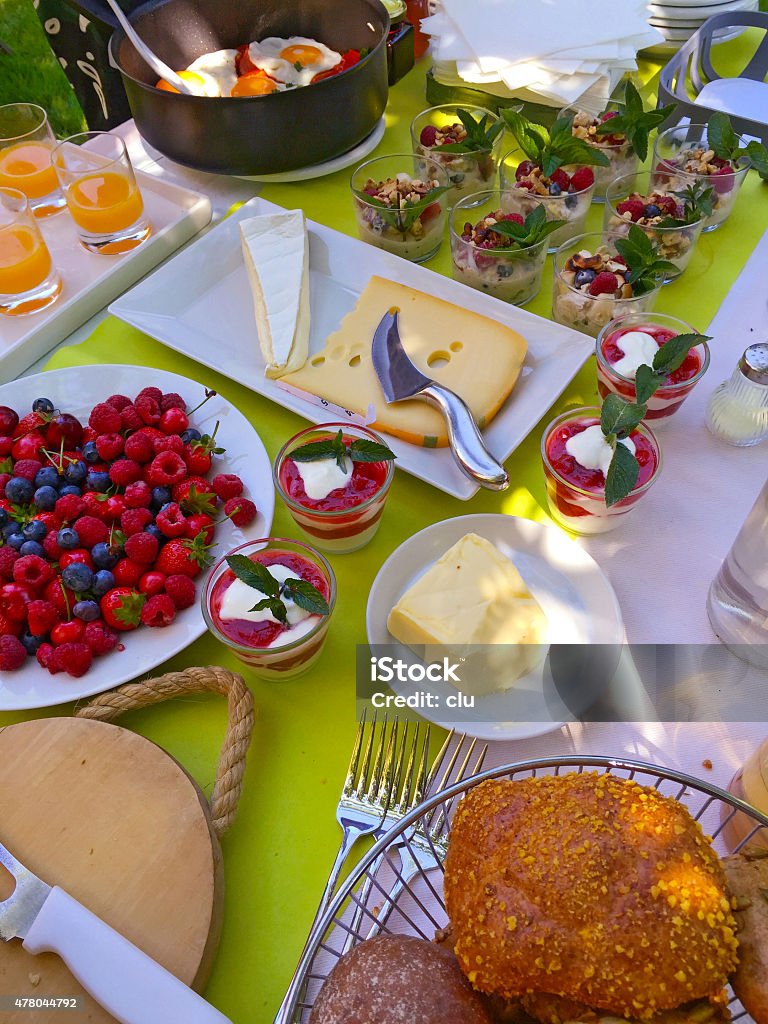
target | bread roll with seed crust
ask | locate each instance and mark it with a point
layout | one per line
(747, 875)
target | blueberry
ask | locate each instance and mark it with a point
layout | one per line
(456, 179)
(190, 434)
(70, 489)
(89, 452)
(160, 496)
(16, 540)
(571, 202)
(30, 643)
(19, 490)
(584, 277)
(77, 577)
(4, 518)
(47, 477)
(555, 189)
(67, 538)
(502, 270)
(652, 210)
(45, 498)
(103, 555)
(98, 481)
(103, 581)
(35, 530)
(75, 472)
(156, 532)
(43, 406)
(11, 528)
(86, 610)
(31, 547)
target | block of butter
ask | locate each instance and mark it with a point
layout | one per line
(468, 603)
(478, 358)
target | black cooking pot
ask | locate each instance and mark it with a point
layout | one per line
(255, 134)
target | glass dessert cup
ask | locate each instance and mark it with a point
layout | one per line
(29, 282)
(580, 310)
(582, 509)
(467, 172)
(572, 207)
(413, 232)
(26, 144)
(512, 274)
(669, 158)
(352, 524)
(675, 244)
(622, 158)
(665, 402)
(276, 660)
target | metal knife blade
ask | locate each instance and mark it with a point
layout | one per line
(398, 376)
(25, 902)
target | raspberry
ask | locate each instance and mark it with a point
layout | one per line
(118, 402)
(166, 469)
(69, 507)
(104, 419)
(99, 637)
(148, 408)
(74, 658)
(604, 284)
(13, 655)
(583, 178)
(124, 472)
(181, 591)
(158, 611)
(140, 448)
(561, 178)
(127, 573)
(28, 468)
(130, 418)
(172, 401)
(181, 491)
(138, 495)
(634, 207)
(91, 531)
(109, 446)
(46, 658)
(133, 520)
(667, 204)
(227, 485)
(7, 558)
(151, 392)
(4, 478)
(142, 548)
(41, 617)
(169, 443)
(32, 570)
(515, 217)
(723, 180)
(242, 511)
(171, 521)
(428, 135)
(9, 626)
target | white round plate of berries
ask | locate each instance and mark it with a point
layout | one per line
(113, 504)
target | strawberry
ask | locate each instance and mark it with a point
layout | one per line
(198, 460)
(28, 423)
(183, 557)
(121, 608)
(195, 495)
(197, 522)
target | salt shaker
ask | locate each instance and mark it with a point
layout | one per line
(738, 409)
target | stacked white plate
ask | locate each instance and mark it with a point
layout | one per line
(677, 20)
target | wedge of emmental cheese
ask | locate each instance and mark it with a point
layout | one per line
(472, 355)
(276, 253)
(473, 604)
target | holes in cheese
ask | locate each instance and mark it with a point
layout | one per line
(477, 358)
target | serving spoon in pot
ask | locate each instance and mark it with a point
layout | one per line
(160, 68)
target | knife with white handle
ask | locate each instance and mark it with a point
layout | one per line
(130, 985)
(400, 378)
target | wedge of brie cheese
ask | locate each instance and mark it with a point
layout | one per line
(472, 604)
(276, 253)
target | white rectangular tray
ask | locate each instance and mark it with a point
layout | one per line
(200, 304)
(91, 281)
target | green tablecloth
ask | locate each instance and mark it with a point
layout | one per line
(278, 854)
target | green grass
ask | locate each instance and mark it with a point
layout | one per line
(31, 73)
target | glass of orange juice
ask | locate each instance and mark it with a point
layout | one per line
(26, 143)
(100, 187)
(29, 281)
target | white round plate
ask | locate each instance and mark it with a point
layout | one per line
(695, 7)
(77, 389)
(579, 602)
(338, 163)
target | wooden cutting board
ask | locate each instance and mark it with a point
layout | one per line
(114, 820)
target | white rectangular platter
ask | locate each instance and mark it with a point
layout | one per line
(91, 281)
(200, 304)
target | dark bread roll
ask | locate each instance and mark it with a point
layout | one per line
(398, 979)
(747, 875)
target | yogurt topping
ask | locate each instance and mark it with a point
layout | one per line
(239, 599)
(323, 476)
(638, 348)
(591, 450)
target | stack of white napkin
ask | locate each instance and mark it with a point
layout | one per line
(557, 52)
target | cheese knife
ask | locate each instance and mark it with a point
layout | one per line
(130, 985)
(401, 379)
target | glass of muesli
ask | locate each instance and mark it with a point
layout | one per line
(401, 205)
(622, 158)
(473, 167)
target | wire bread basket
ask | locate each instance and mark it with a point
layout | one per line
(362, 908)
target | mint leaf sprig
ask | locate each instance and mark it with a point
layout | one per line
(534, 228)
(403, 217)
(725, 144)
(669, 357)
(258, 577)
(642, 260)
(636, 123)
(618, 419)
(698, 203)
(480, 137)
(551, 149)
(360, 450)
